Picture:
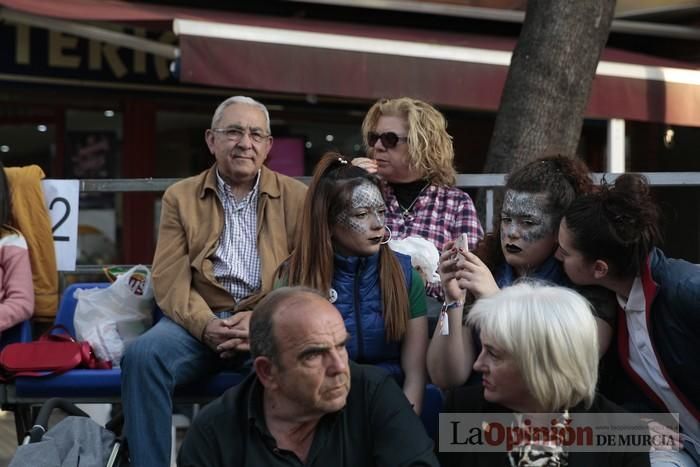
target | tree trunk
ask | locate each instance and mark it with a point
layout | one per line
(549, 81)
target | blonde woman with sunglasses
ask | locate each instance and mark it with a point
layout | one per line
(410, 149)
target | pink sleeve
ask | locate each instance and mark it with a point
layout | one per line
(17, 288)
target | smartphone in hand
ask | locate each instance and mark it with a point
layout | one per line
(461, 242)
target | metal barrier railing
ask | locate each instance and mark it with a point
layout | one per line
(464, 181)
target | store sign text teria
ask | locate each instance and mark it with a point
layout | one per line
(39, 52)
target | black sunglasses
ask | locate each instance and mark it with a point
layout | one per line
(389, 139)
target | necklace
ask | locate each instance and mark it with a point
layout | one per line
(550, 453)
(407, 210)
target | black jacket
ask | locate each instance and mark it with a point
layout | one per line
(377, 427)
(672, 292)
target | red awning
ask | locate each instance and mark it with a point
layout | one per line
(106, 10)
(266, 58)
(291, 55)
(457, 70)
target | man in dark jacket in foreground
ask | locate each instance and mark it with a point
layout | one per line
(306, 404)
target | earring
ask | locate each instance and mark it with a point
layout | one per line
(384, 242)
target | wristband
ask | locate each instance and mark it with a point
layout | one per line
(448, 306)
(444, 319)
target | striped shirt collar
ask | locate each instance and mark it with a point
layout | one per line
(224, 189)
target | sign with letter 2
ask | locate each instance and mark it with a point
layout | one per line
(62, 202)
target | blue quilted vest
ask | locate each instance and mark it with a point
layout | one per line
(356, 280)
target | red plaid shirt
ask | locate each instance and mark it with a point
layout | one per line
(439, 215)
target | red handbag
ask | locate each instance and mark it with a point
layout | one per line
(51, 354)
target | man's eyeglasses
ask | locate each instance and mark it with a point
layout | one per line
(236, 134)
(389, 139)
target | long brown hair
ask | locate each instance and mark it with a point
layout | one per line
(311, 262)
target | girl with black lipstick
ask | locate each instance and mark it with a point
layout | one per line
(523, 245)
(341, 249)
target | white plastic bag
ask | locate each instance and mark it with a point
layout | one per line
(109, 318)
(424, 256)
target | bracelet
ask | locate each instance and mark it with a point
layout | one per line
(448, 306)
(444, 321)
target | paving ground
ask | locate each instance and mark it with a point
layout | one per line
(8, 440)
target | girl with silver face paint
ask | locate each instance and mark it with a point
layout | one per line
(341, 247)
(528, 231)
(361, 226)
(523, 244)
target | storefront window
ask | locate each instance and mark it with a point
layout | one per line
(27, 136)
(180, 147)
(93, 141)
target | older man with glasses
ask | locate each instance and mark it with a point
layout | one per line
(222, 234)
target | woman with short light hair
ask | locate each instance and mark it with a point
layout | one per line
(539, 355)
(550, 334)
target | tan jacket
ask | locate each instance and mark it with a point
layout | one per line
(31, 217)
(191, 223)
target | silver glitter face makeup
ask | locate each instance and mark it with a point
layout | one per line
(367, 210)
(524, 216)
